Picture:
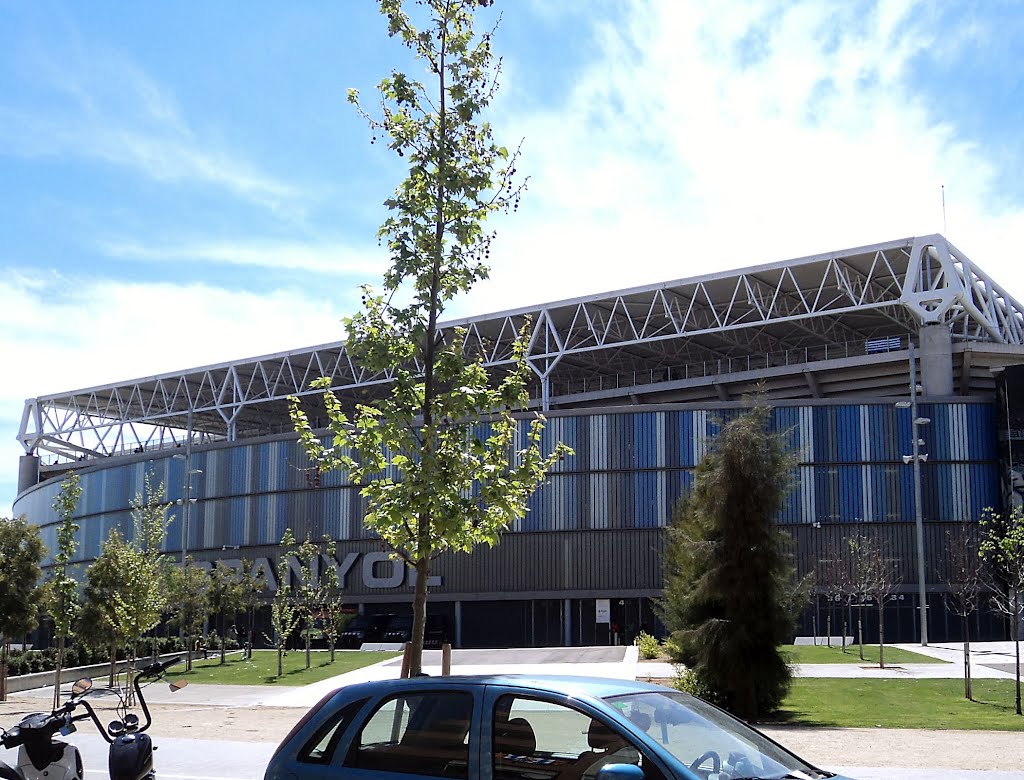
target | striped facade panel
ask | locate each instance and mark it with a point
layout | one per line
(628, 472)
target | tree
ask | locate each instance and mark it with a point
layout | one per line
(436, 458)
(137, 579)
(189, 601)
(63, 588)
(874, 577)
(98, 625)
(1002, 550)
(253, 587)
(728, 577)
(21, 553)
(964, 581)
(834, 583)
(311, 592)
(284, 613)
(227, 597)
(333, 616)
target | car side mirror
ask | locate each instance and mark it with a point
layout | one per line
(620, 772)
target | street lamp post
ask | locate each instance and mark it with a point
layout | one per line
(917, 458)
(186, 500)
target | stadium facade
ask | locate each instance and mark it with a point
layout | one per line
(846, 346)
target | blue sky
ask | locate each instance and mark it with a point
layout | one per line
(184, 183)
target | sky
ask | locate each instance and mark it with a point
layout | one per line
(184, 183)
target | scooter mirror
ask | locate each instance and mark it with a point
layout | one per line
(81, 686)
(177, 685)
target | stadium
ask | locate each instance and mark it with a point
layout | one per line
(891, 368)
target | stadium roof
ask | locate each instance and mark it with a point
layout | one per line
(830, 325)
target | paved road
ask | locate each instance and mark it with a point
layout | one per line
(185, 759)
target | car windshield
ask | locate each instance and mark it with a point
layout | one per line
(708, 740)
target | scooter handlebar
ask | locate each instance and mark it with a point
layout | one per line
(155, 670)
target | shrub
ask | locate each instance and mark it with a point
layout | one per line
(687, 681)
(648, 646)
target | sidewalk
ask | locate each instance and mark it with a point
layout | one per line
(989, 660)
(992, 660)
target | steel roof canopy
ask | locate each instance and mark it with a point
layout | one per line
(631, 337)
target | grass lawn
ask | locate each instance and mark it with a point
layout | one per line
(922, 704)
(822, 654)
(262, 668)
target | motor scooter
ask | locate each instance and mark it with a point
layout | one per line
(41, 756)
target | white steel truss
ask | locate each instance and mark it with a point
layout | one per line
(848, 297)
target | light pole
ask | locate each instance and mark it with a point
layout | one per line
(186, 500)
(917, 458)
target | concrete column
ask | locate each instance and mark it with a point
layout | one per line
(936, 356)
(28, 472)
(458, 624)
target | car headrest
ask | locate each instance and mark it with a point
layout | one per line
(516, 737)
(600, 737)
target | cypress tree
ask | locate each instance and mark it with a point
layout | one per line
(728, 598)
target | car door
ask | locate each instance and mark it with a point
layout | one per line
(535, 735)
(416, 733)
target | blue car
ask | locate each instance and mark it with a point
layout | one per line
(510, 727)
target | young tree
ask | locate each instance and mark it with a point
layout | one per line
(1002, 550)
(227, 597)
(333, 616)
(834, 583)
(728, 576)
(311, 591)
(284, 613)
(189, 602)
(253, 586)
(63, 588)
(963, 578)
(98, 625)
(21, 553)
(435, 479)
(875, 577)
(139, 599)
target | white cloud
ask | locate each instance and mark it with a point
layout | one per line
(110, 110)
(335, 259)
(60, 333)
(701, 138)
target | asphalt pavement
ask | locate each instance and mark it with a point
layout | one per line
(184, 759)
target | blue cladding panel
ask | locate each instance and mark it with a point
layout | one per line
(629, 470)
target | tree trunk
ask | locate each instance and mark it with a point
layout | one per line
(828, 625)
(845, 617)
(967, 659)
(57, 671)
(223, 637)
(280, 660)
(860, 629)
(881, 634)
(419, 616)
(309, 629)
(113, 663)
(4, 647)
(331, 645)
(1016, 643)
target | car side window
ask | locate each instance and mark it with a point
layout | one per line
(419, 734)
(321, 746)
(540, 740)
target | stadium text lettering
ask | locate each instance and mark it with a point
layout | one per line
(378, 570)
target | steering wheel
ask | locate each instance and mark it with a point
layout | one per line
(716, 761)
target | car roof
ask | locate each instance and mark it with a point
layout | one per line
(566, 685)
